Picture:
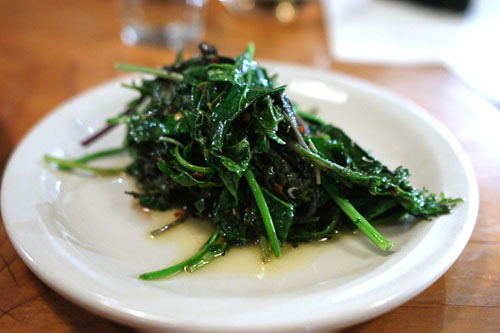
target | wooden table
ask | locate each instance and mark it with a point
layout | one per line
(53, 49)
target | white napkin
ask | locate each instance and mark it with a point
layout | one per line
(402, 33)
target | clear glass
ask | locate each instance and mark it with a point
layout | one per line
(170, 23)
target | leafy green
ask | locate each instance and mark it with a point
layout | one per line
(215, 136)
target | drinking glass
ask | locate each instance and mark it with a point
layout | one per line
(170, 23)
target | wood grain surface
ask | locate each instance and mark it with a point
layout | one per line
(53, 49)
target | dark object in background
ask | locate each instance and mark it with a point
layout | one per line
(454, 5)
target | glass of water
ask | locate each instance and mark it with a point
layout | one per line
(170, 23)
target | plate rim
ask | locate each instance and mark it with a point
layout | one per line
(368, 87)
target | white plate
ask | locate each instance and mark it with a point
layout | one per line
(87, 240)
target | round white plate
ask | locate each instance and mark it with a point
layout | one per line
(88, 241)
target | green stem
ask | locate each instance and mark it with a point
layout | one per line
(99, 154)
(264, 249)
(170, 140)
(248, 75)
(317, 159)
(177, 221)
(173, 76)
(212, 253)
(296, 131)
(358, 219)
(250, 50)
(132, 86)
(64, 164)
(355, 176)
(189, 166)
(180, 266)
(123, 119)
(264, 211)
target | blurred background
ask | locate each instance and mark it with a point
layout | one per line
(441, 54)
